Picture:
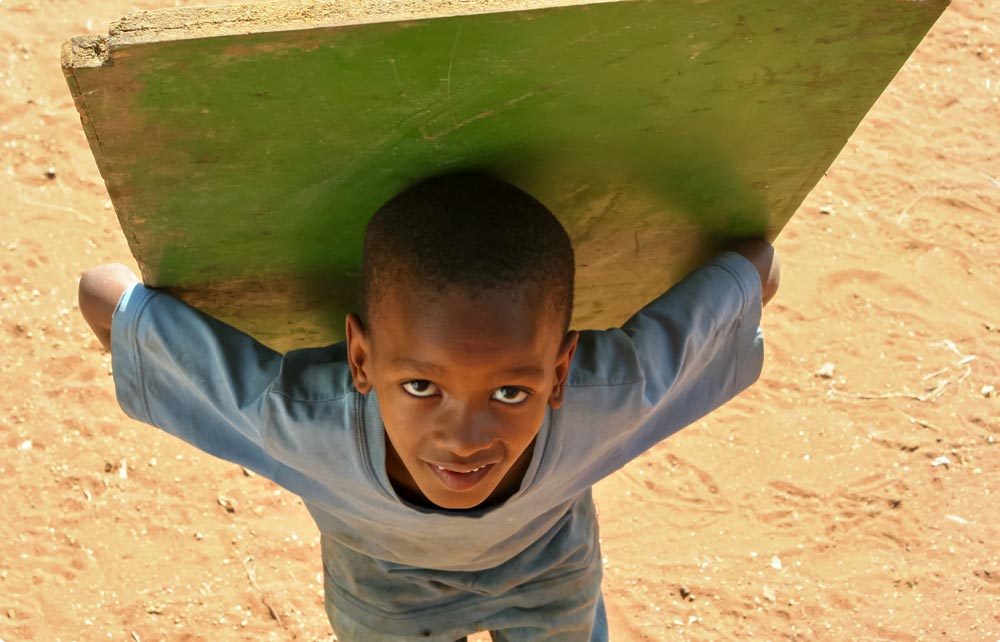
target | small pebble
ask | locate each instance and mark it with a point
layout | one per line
(769, 594)
(988, 391)
(50, 173)
(825, 371)
(941, 461)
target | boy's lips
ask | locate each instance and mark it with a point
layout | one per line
(462, 479)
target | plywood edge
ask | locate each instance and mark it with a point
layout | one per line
(85, 51)
(80, 53)
(186, 23)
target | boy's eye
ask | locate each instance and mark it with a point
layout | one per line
(420, 388)
(511, 395)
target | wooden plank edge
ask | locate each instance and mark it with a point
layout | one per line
(185, 23)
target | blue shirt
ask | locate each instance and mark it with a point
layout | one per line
(407, 570)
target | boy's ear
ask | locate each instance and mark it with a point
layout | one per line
(563, 362)
(358, 352)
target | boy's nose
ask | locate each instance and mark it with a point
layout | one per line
(465, 430)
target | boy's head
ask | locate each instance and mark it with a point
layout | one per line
(472, 232)
(466, 294)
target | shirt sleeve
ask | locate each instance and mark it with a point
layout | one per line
(193, 376)
(683, 355)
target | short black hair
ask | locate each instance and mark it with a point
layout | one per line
(472, 230)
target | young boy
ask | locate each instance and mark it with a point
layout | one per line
(447, 448)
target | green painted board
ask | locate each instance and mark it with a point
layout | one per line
(244, 147)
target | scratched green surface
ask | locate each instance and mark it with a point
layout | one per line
(243, 168)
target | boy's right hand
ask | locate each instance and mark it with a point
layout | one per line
(762, 255)
(100, 289)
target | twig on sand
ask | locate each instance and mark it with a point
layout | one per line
(252, 576)
(883, 395)
(62, 208)
(905, 212)
(935, 373)
(930, 396)
(922, 423)
(996, 182)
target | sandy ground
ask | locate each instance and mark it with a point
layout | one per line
(862, 505)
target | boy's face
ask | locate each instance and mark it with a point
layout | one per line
(463, 386)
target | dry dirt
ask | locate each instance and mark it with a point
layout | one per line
(856, 506)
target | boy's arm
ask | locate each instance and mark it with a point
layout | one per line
(100, 290)
(180, 370)
(696, 346)
(219, 389)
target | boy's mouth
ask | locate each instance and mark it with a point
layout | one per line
(461, 480)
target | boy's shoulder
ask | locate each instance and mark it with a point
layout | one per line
(315, 375)
(700, 309)
(604, 358)
(164, 333)
(684, 354)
